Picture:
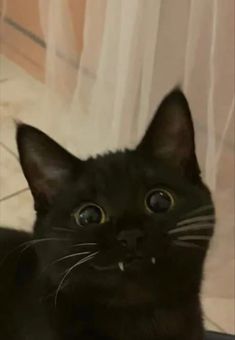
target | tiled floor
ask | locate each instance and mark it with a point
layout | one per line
(21, 98)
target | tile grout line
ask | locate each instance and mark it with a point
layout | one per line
(6, 148)
(13, 195)
(219, 328)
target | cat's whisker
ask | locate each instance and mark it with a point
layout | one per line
(27, 245)
(33, 242)
(199, 210)
(186, 245)
(198, 219)
(84, 244)
(190, 227)
(194, 238)
(72, 255)
(87, 258)
(66, 257)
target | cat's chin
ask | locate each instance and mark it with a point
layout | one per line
(126, 284)
(132, 294)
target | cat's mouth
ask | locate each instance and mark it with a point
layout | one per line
(131, 263)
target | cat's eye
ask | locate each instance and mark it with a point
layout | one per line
(159, 201)
(89, 214)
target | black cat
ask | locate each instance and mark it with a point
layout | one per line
(119, 241)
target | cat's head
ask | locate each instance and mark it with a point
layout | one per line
(124, 226)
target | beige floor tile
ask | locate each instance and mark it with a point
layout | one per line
(222, 312)
(28, 100)
(210, 325)
(17, 212)
(24, 99)
(11, 177)
(8, 69)
(20, 99)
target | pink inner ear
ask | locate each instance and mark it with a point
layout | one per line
(46, 176)
(46, 188)
(48, 181)
(173, 143)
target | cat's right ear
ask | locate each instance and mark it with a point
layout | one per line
(46, 165)
(170, 135)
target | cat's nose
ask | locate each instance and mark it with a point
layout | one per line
(131, 239)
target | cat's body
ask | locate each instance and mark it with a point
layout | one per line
(119, 241)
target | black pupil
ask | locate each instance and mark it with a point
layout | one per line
(159, 201)
(90, 215)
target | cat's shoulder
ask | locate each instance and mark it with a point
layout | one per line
(11, 238)
(12, 257)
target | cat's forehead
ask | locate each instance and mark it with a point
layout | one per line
(123, 171)
(113, 180)
(112, 168)
(128, 164)
(129, 173)
(118, 165)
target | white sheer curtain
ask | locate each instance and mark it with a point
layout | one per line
(134, 52)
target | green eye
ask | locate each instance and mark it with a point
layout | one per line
(159, 201)
(89, 214)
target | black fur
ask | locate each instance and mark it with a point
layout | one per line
(146, 301)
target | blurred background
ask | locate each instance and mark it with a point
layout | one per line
(90, 73)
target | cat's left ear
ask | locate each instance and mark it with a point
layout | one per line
(47, 166)
(170, 135)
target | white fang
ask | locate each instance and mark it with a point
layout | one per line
(153, 260)
(121, 266)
